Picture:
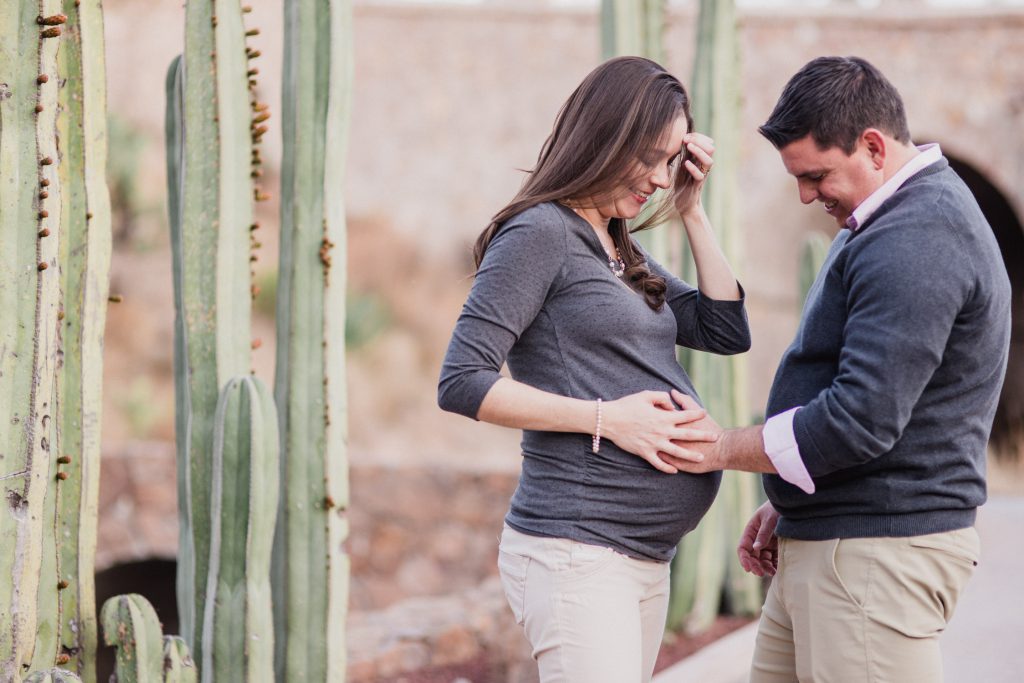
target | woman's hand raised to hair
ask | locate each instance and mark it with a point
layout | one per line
(647, 423)
(697, 153)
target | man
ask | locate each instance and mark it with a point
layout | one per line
(881, 408)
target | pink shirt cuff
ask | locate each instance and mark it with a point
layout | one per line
(781, 447)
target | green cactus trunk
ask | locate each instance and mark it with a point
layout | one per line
(238, 628)
(211, 192)
(29, 302)
(310, 567)
(812, 256)
(637, 27)
(706, 565)
(85, 253)
(633, 27)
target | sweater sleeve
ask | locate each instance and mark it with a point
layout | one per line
(519, 268)
(905, 289)
(704, 323)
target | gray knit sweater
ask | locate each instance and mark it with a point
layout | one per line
(545, 300)
(898, 364)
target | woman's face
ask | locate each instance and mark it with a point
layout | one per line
(653, 171)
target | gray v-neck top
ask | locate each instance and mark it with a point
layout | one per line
(546, 301)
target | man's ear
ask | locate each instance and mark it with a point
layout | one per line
(873, 140)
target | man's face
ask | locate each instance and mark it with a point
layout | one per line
(839, 181)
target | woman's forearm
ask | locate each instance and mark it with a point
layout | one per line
(714, 275)
(513, 404)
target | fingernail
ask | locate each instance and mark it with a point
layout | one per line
(757, 545)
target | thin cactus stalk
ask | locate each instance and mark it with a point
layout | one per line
(238, 628)
(29, 303)
(53, 676)
(211, 194)
(310, 567)
(633, 27)
(637, 27)
(705, 565)
(130, 624)
(178, 664)
(812, 255)
(85, 252)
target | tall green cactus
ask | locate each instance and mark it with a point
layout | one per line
(637, 27)
(238, 626)
(85, 254)
(633, 27)
(144, 654)
(29, 301)
(209, 181)
(812, 255)
(706, 565)
(310, 567)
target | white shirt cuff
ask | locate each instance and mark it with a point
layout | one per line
(781, 447)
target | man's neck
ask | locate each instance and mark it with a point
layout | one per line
(899, 155)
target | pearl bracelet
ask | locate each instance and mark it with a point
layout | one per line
(595, 443)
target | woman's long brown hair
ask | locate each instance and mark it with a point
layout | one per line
(616, 117)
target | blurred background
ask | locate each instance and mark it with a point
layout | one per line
(450, 100)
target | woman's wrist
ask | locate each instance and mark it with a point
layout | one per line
(694, 216)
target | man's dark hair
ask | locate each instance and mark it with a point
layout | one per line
(835, 99)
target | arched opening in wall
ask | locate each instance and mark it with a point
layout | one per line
(1008, 429)
(154, 580)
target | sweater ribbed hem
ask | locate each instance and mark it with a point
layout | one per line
(874, 526)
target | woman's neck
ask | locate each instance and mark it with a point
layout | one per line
(594, 217)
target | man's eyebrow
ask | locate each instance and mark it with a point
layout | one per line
(808, 174)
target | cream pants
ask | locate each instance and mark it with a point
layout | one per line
(862, 610)
(591, 614)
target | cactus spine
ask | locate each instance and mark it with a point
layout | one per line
(29, 302)
(705, 565)
(238, 625)
(211, 211)
(310, 568)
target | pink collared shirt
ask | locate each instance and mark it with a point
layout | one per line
(779, 440)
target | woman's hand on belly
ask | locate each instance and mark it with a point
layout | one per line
(647, 424)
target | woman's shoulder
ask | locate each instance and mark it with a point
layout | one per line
(545, 220)
(543, 215)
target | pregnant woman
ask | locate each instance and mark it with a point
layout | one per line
(589, 324)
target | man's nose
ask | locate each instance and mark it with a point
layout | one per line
(807, 193)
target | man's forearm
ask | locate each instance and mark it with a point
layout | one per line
(743, 449)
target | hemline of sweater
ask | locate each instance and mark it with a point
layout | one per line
(566, 530)
(901, 525)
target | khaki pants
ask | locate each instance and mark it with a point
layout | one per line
(862, 610)
(591, 614)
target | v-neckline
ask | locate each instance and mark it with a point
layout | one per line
(601, 253)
